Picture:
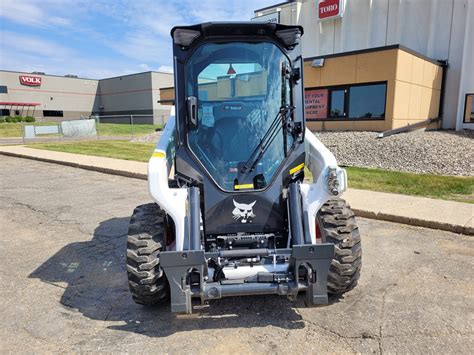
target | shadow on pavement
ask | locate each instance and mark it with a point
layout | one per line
(95, 283)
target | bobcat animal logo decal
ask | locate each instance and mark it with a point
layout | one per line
(243, 212)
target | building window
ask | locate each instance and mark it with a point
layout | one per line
(367, 101)
(469, 109)
(5, 112)
(337, 103)
(346, 102)
(3, 89)
(50, 113)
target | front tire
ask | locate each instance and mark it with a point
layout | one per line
(336, 224)
(146, 239)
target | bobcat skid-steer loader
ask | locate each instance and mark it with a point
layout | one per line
(232, 213)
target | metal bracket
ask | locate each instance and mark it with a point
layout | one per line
(317, 259)
(177, 265)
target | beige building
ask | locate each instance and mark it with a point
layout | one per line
(419, 52)
(375, 89)
(57, 97)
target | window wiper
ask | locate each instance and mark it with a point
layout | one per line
(279, 122)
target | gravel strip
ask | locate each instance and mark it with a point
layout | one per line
(433, 152)
(149, 138)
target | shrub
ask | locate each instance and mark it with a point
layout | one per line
(2, 119)
(29, 119)
(8, 119)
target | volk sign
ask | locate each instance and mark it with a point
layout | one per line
(30, 80)
(330, 9)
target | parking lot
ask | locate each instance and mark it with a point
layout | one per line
(63, 284)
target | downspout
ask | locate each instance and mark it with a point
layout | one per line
(444, 65)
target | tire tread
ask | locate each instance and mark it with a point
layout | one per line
(146, 237)
(339, 227)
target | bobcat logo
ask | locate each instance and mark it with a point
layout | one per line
(243, 211)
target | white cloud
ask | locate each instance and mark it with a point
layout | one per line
(165, 69)
(144, 67)
(30, 13)
(35, 54)
(136, 32)
(15, 43)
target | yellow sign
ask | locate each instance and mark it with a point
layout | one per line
(243, 186)
(296, 168)
(158, 155)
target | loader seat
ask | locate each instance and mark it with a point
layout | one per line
(235, 138)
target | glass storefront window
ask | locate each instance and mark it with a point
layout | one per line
(337, 103)
(367, 101)
(346, 102)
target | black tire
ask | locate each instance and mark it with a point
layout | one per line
(146, 239)
(338, 226)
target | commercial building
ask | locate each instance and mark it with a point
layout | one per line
(368, 65)
(383, 64)
(69, 97)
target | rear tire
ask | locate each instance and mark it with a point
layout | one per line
(338, 226)
(146, 239)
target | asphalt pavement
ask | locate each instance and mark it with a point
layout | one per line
(63, 285)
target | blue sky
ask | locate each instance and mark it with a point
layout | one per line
(103, 38)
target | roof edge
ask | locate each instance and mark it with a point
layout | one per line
(377, 49)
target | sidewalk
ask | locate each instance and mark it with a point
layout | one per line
(418, 211)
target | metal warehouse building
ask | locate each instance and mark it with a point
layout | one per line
(384, 64)
(68, 97)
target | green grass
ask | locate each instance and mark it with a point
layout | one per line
(118, 129)
(434, 186)
(441, 187)
(109, 149)
(14, 130)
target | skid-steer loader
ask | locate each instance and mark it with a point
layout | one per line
(232, 212)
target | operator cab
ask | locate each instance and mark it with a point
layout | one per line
(240, 127)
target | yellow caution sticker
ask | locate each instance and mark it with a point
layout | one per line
(158, 155)
(296, 168)
(243, 186)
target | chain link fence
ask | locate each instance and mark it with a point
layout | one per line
(110, 127)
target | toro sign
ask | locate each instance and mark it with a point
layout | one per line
(30, 80)
(330, 9)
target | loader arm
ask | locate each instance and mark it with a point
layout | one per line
(171, 200)
(329, 180)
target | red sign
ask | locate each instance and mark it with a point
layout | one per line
(316, 104)
(30, 80)
(330, 8)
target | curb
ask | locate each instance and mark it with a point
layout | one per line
(415, 222)
(359, 213)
